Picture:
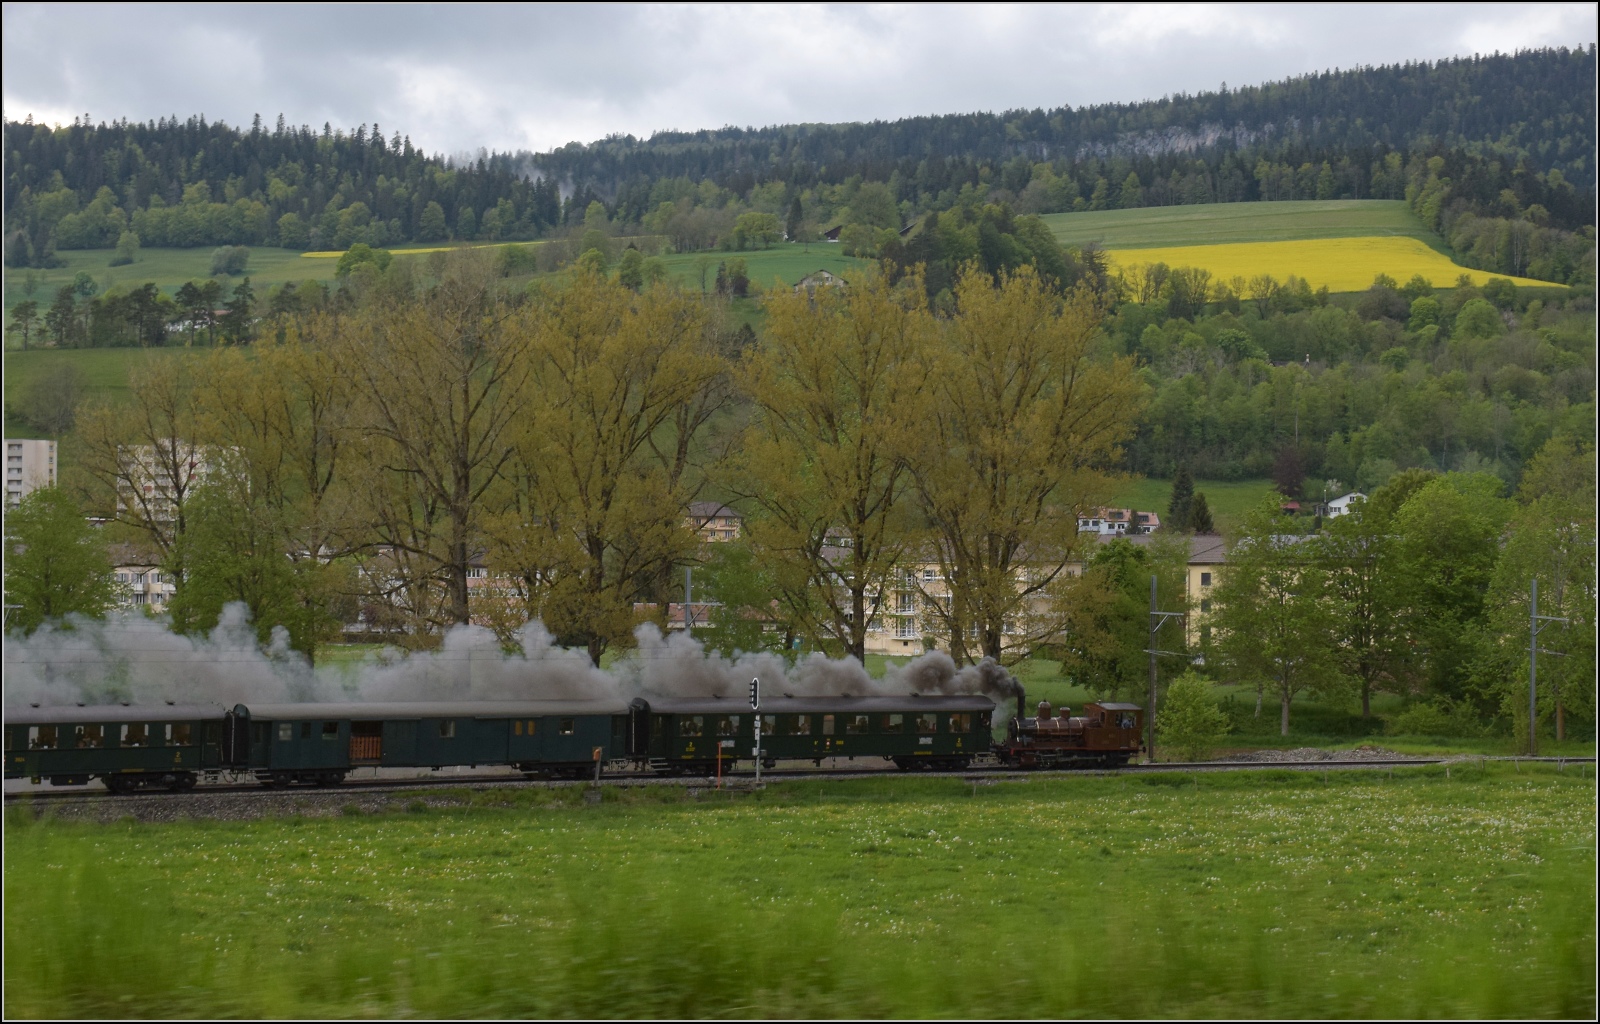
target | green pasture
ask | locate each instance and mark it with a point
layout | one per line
(1228, 500)
(784, 264)
(1274, 894)
(169, 269)
(105, 374)
(1215, 223)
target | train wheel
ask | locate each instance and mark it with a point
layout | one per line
(181, 783)
(118, 785)
(903, 763)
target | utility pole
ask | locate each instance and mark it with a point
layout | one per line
(1534, 620)
(1157, 620)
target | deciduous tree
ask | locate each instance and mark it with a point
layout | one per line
(1020, 419)
(835, 388)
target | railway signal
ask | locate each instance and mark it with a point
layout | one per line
(755, 706)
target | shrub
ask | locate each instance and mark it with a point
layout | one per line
(1189, 721)
(1441, 718)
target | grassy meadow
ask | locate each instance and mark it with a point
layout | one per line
(1220, 223)
(1277, 894)
(170, 269)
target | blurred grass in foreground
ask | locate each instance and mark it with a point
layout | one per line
(1270, 895)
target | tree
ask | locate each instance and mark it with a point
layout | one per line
(127, 249)
(439, 382)
(1178, 508)
(56, 563)
(431, 226)
(146, 458)
(230, 260)
(24, 318)
(757, 229)
(834, 390)
(52, 402)
(630, 269)
(1356, 551)
(283, 516)
(796, 218)
(1550, 538)
(1191, 724)
(61, 319)
(362, 254)
(1106, 614)
(1200, 515)
(597, 479)
(1446, 544)
(236, 323)
(1019, 416)
(1288, 471)
(1271, 617)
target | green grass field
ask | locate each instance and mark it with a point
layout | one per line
(786, 263)
(168, 268)
(105, 374)
(1228, 500)
(1404, 894)
(1214, 223)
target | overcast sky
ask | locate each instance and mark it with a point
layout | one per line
(456, 78)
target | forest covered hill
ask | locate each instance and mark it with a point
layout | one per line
(1495, 153)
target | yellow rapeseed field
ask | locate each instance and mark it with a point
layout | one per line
(1343, 264)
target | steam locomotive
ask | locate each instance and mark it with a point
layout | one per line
(134, 747)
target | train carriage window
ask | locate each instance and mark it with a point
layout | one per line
(960, 722)
(330, 730)
(797, 725)
(892, 723)
(827, 725)
(531, 723)
(658, 727)
(260, 732)
(691, 725)
(855, 725)
(213, 732)
(769, 725)
(182, 734)
(8, 740)
(516, 727)
(88, 737)
(285, 732)
(728, 725)
(161, 734)
(136, 734)
(42, 737)
(569, 726)
(447, 729)
(927, 724)
(305, 730)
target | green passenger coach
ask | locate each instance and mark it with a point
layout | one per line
(128, 747)
(698, 736)
(320, 743)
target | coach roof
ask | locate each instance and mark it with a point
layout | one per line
(903, 704)
(57, 714)
(401, 710)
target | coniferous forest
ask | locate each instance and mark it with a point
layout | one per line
(1495, 153)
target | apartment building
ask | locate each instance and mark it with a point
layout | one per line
(30, 465)
(905, 624)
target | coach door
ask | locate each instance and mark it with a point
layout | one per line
(366, 743)
(399, 743)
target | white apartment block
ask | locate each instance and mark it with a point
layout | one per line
(30, 465)
(145, 587)
(155, 479)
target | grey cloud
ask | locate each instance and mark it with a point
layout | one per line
(462, 77)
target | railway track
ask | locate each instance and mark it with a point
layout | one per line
(741, 779)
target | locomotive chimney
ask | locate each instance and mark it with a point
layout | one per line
(1022, 701)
